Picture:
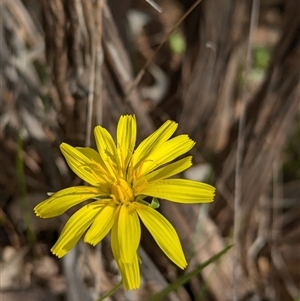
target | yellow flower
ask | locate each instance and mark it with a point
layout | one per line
(121, 177)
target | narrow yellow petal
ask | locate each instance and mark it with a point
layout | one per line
(114, 238)
(75, 228)
(126, 137)
(129, 233)
(167, 152)
(80, 164)
(130, 272)
(94, 156)
(169, 170)
(64, 199)
(99, 169)
(105, 143)
(91, 154)
(107, 149)
(163, 232)
(162, 134)
(180, 191)
(102, 224)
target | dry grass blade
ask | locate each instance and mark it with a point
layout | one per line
(154, 5)
(240, 151)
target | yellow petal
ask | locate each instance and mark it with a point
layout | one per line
(102, 171)
(129, 233)
(99, 170)
(126, 137)
(162, 134)
(80, 164)
(167, 152)
(75, 228)
(163, 232)
(130, 272)
(102, 224)
(180, 191)
(107, 149)
(169, 170)
(64, 199)
(91, 154)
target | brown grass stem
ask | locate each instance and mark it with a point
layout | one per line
(240, 150)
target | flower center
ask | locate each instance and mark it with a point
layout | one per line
(121, 192)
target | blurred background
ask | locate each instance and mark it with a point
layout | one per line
(67, 65)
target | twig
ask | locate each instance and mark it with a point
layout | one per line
(240, 151)
(91, 91)
(99, 65)
(154, 5)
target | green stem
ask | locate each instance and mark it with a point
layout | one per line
(23, 191)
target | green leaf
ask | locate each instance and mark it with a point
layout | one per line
(154, 203)
(185, 278)
(262, 57)
(177, 43)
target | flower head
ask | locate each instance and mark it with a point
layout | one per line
(121, 177)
